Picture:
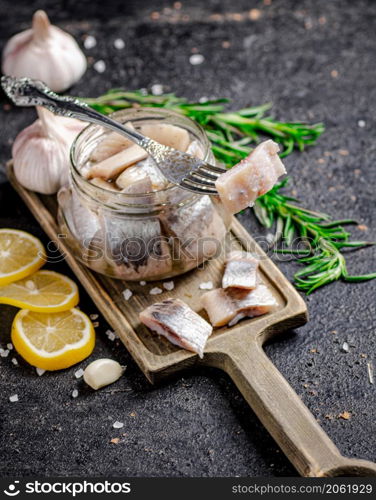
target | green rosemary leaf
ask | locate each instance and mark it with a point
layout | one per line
(358, 279)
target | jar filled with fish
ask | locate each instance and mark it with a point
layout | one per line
(121, 216)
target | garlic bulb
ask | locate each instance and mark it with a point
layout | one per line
(41, 152)
(45, 53)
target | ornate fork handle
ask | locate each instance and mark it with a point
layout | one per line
(28, 92)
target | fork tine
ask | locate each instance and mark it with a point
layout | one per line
(196, 176)
(205, 173)
(213, 168)
(196, 188)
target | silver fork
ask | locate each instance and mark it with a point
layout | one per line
(179, 168)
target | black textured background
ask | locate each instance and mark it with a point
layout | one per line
(316, 62)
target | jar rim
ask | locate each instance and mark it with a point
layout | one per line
(119, 195)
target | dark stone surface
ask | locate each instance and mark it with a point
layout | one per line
(199, 425)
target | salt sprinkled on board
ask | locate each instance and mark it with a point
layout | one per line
(127, 294)
(169, 285)
(14, 361)
(196, 59)
(10, 346)
(117, 425)
(75, 393)
(94, 316)
(4, 353)
(90, 42)
(40, 371)
(155, 291)
(142, 283)
(100, 66)
(13, 398)
(119, 44)
(361, 123)
(206, 285)
(79, 373)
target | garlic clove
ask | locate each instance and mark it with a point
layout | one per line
(102, 372)
(46, 53)
(41, 152)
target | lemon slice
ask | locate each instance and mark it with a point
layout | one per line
(53, 341)
(21, 254)
(44, 291)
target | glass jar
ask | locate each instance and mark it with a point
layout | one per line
(139, 236)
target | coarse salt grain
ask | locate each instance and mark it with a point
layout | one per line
(14, 361)
(4, 353)
(196, 59)
(94, 316)
(155, 291)
(40, 371)
(119, 44)
(345, 347)
(127, 294)
(10, 346)
(79, 373)
(75, 393)
(169, 285)
(111, 336)
(269, 238)
(142, 283)
(13, 398)
(361, 123)
(206, 285)
(117, 425)
(90, 42)
(157, 89)
(100, 66)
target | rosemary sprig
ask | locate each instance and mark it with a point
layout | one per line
(319, 239)
(226, 129)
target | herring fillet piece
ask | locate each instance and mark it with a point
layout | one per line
(241, 271)
(224, 306)
(254, 176)
(111, 144)
(117, 163)
(176, 321)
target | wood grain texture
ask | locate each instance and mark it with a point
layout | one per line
(236, 350)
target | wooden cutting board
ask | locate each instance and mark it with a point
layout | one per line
(237, 350)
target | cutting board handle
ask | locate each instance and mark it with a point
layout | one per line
(284, 414)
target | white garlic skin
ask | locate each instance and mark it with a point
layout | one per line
(46, 53)
(41, 152)
(102, 372)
